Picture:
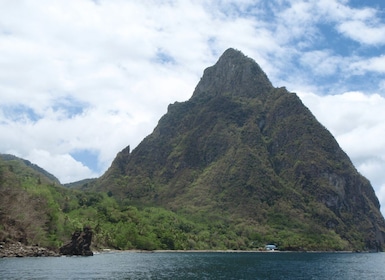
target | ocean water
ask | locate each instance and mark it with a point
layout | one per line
(199, 265)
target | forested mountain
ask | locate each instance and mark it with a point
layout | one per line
(242, 151)
(28, 212)
(239, 165)
(35, 210)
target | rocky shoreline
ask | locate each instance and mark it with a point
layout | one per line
(18, 249)
(78, 246)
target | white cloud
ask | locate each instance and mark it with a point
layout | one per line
(375, 64)
(322, 62)
(363, 25)
(364, 32)
(60, 165)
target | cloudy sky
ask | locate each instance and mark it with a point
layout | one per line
(80, 79)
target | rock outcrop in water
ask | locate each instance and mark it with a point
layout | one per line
(80, 244)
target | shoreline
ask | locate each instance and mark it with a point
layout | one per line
(106, 251)
(20, 250)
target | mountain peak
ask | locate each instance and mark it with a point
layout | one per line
(232, 54)
(233, 57)
(245, 153)
(234, 74)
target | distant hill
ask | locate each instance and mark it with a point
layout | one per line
(25, 213)
(82, 184)
(37, 170)
(244, 154)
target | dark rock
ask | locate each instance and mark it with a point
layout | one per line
(80, 244)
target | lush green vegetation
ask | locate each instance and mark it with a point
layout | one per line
(35, 210)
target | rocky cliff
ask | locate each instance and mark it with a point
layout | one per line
(243, 150)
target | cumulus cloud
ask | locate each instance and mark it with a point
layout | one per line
(61, 165)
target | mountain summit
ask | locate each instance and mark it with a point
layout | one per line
(243, 153)
(232, 72)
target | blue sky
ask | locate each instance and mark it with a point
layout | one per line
(80, 80)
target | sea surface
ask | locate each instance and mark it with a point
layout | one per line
(199, 265)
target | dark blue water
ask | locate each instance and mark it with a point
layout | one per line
(129, 265)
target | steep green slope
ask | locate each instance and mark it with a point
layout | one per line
(28, 207)
(35, 210)
(241, 152)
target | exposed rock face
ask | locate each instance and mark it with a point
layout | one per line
(80, 244)
(236, 75)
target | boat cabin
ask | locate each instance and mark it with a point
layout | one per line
(270, 247)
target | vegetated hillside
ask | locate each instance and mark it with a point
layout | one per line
(36, 210)
(243, 154)
(27, 212)
(82, 184)
(36, 170)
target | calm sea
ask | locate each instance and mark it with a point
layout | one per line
(130, 265)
